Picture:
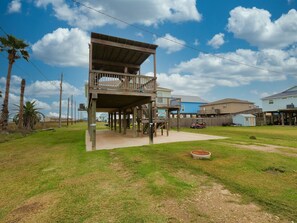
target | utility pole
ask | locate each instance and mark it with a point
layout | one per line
(71, 107)
(60, 105)
(68, 112)
(74, 112)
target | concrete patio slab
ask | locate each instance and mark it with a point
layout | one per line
(107, 139)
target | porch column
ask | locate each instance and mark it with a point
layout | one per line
(120, 121)
(151, 124)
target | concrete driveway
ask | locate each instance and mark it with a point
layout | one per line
(107, 139)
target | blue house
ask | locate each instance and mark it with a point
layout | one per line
(190, 105)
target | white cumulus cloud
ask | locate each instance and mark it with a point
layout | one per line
(201, 74)
(14, 6)
(256, 27)
(170, 43)
(217, 41)
(46, 89)
(147, 13)
(63, 47)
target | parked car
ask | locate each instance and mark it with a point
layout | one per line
(198, 124)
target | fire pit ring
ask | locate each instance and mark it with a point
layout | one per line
(200, 154)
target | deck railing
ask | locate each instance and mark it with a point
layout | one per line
(112, 81)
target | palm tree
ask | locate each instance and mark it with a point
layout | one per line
(21, 112)
(31, 115)
(15, 49)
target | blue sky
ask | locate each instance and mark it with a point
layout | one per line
(237, 49)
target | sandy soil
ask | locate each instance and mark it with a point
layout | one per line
(111, 140)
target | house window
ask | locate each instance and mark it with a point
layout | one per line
(246, 119)
(270, 101)
(182, 108)
(225, 106)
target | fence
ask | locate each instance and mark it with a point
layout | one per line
(214, 121)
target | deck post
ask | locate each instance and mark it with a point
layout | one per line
(151, 124)
(264, 118)
(120, 121)
(125, 122)
(115, 121)
(93, 115)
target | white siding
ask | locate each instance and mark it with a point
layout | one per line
(279, 103)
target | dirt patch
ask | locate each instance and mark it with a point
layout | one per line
(33, 208)
(211, 202)
(269, 148)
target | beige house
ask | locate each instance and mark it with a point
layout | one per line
(226, 106)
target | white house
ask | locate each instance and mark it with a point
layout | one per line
(244, 119)
(284, 100)
(281, 107)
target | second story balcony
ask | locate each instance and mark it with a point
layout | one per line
(107, 82)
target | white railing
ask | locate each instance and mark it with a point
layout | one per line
(112, 81)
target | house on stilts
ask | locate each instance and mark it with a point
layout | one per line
(116, 86)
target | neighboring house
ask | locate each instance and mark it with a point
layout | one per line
(281, 107)
(284, 100)
(165, 102)
(190, 105)
(226, 106)
(244, 119)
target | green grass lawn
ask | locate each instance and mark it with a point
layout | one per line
(48, 177)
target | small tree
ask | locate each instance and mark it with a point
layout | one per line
(15, 49)
(31, 115)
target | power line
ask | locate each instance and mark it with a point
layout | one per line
(37, 68)
(171, 40)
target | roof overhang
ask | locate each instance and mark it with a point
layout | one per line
(112, 53)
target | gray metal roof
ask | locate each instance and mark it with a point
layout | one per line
(188, 98)
(229, 100)
(287, 93)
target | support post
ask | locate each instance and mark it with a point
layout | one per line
(168, 119)
(151, 124)
(111, 121)
(177, 120)
(120, 121)
(134, 121)
(264, 118)
(282, 118)
(115, 121)
(93, 124)
(60, 102)
(125, 122)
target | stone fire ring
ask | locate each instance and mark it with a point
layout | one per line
(200, 154)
